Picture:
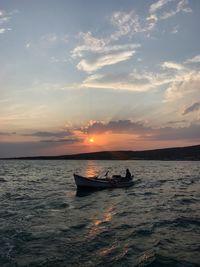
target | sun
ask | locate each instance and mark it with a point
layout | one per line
(91, 140)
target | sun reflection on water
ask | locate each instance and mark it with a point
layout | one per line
(97, 225)
(91, 169)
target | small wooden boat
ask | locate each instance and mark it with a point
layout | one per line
(101, 183)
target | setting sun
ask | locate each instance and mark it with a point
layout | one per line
(91, 140)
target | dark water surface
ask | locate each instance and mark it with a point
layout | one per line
(154, 223)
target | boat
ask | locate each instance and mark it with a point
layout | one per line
(115, 181)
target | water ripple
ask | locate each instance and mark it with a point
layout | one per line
(45, 222)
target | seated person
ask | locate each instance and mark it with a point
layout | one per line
(128, 175)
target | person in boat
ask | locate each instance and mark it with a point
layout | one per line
(128, 175)
(106, 175)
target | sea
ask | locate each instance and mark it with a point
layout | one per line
(45, 221)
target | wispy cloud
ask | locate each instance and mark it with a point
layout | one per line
(106, 60)
(172, 65)
(5, 18)
(89, 43)
(7, 133)
(177, 79)
(135, 81)
(98, 52)
(158, 5)
(126, 23)
(192, 108)
(195, 59)
(68, 141)
(130, 23)
(183, 84)
(95, 45)
(50, 134)
(2, 30)
(164, 9)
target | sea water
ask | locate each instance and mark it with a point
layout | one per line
(45, 222)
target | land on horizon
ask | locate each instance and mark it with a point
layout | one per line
(175, 153)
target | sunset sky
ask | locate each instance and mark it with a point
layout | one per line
(87, 75)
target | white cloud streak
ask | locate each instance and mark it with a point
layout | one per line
(98, 46)
(98, 53)
(157, 8)
(179, 81)
(172, 65)
(2, 30)
(4, 19)
(103, 61)
(195, 59)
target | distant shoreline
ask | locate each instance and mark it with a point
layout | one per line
(189, 153)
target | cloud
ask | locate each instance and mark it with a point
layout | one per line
(134, 81)
(106, 60)
(120, 126)
(172, 65)
(90, 43)
(177, 122)
(158, 5)
(98, 46)
(2, 30)
(173, 8)
(7, 133)
(195, 59)
(184, 84)
(178, 80)
(69, 141)
(193, 107)
(109, 82)
(130, 23)
(5, 17)
(180, 133)
(143, 132)
(126, 23)
(50, 134)
(98, 52)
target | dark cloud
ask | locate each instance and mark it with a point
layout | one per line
(193, 107)
(69, 141)
(7, 133)
(120, 126)
(50, 134)
(192, 132)
(146, 133)
(177, 122)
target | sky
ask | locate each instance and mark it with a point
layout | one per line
(86, 75)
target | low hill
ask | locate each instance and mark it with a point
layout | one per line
(177, 153)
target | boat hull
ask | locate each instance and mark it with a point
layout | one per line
(84, 182)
